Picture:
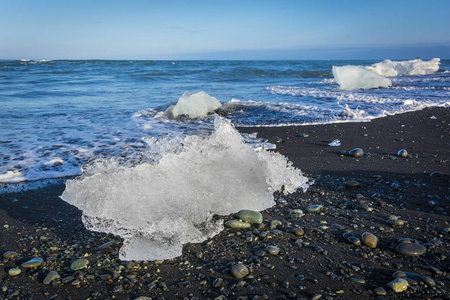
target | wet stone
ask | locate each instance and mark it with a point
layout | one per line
(398, 285)
(379, 291)
(236, 224)
(14, 271)
(79, 264)
(369, 239)
(428, 281)
(106, 245)
(33, 263)
(395, 222)
(402, 153)
(52, 275)
(250, 216)
(314, 208)
(274, 250)
(354, 240)
(352, 184)
(275, 140)
(239, 271)
(9, 255)
(298, 231)
(411, 249)
(357, 152)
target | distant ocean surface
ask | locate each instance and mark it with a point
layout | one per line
(56, 116)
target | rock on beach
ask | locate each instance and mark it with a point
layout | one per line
(411, 249)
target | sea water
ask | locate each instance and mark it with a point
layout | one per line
(56, 116)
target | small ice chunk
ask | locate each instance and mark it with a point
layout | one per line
(194, 106)
(413, 67)
(335, 143)
(357, 77)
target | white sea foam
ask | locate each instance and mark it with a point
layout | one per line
(356, 77)
(194, 106)
(389, 68)
(170, 197)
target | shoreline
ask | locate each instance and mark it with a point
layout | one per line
(36, 223)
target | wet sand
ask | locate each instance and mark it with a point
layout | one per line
(355, 195)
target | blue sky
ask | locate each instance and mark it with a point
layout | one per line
(215, 29)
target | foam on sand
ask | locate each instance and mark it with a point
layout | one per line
(413, 67)
(194, 106)
(170, 197)
(357, 77)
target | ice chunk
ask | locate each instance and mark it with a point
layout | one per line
(417, 66)
(356, 77)
(171, 196)
(194, 106)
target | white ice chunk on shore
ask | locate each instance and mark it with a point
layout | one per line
(356, 77)
(413, 67)
(194, 106)
(169, 199)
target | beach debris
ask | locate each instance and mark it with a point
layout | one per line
(402, 153)
(33, 263)
(79, 264)
(335, 143)
(250, 216)
(240, 271)
(398, 285)
(369, 239)
(52, 275)
(357, 152)
(411, 249)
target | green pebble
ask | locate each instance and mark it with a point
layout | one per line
(236, 224)
(33, 263)
(51, 276)
(250, 216)
(14, 271)
(79, 264)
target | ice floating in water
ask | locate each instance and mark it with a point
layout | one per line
(194, 106)
(356, 77)
(390, 68)
(169, 198)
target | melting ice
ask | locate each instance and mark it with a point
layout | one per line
(413, 67)
(170, 197)
(356, 77)
(194, 106)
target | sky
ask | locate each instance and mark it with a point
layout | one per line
(216, 29)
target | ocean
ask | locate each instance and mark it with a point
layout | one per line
(57, 116)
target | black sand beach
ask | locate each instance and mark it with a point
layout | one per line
(381, 193)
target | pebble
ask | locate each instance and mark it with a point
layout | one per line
(106, 245)
(275, 140)
(398, 285)
(402, 153)
(369, 240)
(79, 264)
(379, 291)
(352, 184)
(236, 224)
(250, 216)
(274, 250)
(411, 249)
(354, 240)
(52, 275)
(9, 254)
(33, 263)
(239, 271)
(314, 208)
(428, 281)
(304, 135)
(395, 222)
(357, 152)
(14, 271)
(298, 231)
